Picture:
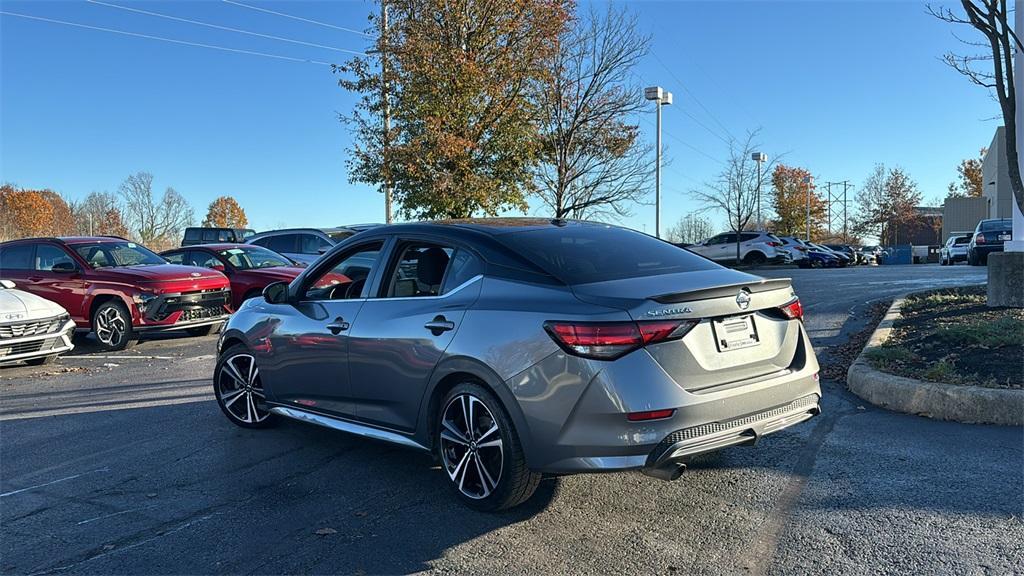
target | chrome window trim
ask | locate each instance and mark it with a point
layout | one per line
(421, 298)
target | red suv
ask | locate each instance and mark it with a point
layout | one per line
(249, 268)
(116, 288)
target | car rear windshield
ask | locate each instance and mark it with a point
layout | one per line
(1003, 224)
(584, 254)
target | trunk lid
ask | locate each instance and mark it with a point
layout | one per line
(741, 336)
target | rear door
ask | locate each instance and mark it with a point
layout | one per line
(58, 278)
(402, 333)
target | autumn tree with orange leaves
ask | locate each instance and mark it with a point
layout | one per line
(458, 75)
(789, 200)
(224, 212)
(26, 213)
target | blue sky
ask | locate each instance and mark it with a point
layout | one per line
(836, 86)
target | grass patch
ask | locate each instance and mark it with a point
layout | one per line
(1005, 331)
(888, 357)
(952, 336)
(941, 371)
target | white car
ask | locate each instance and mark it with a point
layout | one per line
(794, 246)
(32, 329)
(755, 248)
(955, 249)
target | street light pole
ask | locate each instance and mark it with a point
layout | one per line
(759, 157)
(660, 97)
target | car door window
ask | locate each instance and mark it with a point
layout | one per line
(420, 271)
(312, 244)
(204, 259)
(209, 235)
(49, 256)
(347, 277)
(463, 267)
(282, 243)
(16, 257)
(175, 258)
(747, 237)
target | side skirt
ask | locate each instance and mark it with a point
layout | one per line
(348, 426)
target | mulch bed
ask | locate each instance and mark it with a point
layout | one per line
(952, 336)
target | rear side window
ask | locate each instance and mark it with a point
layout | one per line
(312, 244)
(462, 267)
(209, 235)
(583, 254)
(748, 236)
(48, 256)
(193, 234)
(16, 257)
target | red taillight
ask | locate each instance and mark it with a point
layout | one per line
(979, 239)
(801, 248)
(793, 310)
(649, 415)
(775, 244)
(610, 340)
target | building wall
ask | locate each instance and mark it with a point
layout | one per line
(962, 215)
(995, 174)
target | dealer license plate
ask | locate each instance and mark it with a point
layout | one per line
(735, 332)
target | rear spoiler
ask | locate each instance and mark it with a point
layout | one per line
(763, 285)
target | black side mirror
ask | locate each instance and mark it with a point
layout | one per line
(64, 268)
(276, 293)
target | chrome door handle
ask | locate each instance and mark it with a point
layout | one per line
(338, 325)
(438, 325)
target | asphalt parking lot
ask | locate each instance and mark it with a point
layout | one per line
(123, 464)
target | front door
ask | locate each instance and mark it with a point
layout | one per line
(403, 331)
(306, 364)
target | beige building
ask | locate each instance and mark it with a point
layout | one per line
(995, 175)
(963, 215)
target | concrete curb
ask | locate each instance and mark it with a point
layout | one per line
(967, 404)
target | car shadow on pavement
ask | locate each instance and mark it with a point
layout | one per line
(294, 498)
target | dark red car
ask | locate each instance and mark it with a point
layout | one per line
(249, 268)
(117, 288)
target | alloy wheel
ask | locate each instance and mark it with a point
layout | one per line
(240, 390)
(110, 326)
(471, 446)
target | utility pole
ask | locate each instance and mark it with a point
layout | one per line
(386, 109)
(807, 232)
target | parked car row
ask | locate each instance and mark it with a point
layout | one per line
(764, 247)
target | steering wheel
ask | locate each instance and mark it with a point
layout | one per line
(355, 289)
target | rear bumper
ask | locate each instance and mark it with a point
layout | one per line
(986, 249)
(575, 412)
(670, 456)
(38, 345)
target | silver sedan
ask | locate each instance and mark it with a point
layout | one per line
(512, 348)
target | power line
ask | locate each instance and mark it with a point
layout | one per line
(691, 116)
(687, 144)
(228, 28)
(317, 22)
(692, 95)
(172, 40)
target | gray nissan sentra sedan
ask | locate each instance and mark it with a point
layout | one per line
(512, 348)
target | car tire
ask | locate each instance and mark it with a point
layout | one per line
(491, 475)
(754, 259)
(42, 361)
(202, 330)
(239, 389)
(112, 324)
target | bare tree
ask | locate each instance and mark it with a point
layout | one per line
(153, 221)
(92, 211)
(886, 200)
(992, 67)
(690, 229)
(592, 161)
(734, 193)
